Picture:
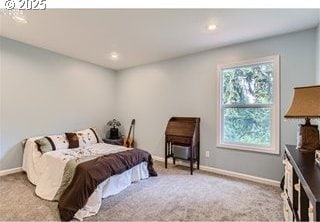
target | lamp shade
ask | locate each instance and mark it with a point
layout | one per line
(306, 103)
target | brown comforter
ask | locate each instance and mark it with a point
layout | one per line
(90, 174)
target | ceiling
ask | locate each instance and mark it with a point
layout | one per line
(143, 36)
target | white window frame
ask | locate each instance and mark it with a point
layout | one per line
(275, 107)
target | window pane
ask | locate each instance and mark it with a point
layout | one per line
(248, 84)
(247, 125)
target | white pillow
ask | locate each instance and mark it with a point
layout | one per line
(50, 143)
(87, 137)
(59, 141)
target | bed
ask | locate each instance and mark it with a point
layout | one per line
(59, 173)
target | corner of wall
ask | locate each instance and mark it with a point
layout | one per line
(75, 95)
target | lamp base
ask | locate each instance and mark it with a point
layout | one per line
(114, 133)
(309, 135)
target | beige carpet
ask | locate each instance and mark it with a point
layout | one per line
(173, 195)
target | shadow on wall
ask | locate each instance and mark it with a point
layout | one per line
(12, 157)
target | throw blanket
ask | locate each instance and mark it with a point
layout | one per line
(88, 175)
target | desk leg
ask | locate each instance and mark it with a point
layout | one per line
(166, 156)
(198, 157)
(191, 161)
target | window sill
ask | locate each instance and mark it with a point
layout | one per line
(272, 150)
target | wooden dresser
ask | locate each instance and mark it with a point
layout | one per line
(182, 140)
(302, 186)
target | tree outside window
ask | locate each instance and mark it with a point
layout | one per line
(248, 117)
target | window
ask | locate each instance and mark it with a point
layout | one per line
(248, 116)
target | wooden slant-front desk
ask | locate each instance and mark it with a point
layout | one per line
(182, 140)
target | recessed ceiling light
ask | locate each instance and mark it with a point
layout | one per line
(211, 27)
(20, 19)
(114, 56)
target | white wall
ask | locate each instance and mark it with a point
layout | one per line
(186, 86)
(47, 93)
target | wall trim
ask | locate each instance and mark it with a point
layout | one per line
(204, 168)
(226, 172)
(10, 171)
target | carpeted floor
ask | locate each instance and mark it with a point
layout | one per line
(173, 195)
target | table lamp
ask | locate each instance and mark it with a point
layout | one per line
(306, 104)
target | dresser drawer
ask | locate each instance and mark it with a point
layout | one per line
(288, 174)
(179, 139)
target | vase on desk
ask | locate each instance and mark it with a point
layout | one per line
(114, 133)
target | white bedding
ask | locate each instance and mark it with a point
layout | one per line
(46, 171)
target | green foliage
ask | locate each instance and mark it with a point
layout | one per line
(247, 125)
(247, 87)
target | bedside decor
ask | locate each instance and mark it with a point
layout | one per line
(306, 104)
(114, 141)
(114, 131)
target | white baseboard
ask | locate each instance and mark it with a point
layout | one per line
(226, 173)
(10, 171)
(161, 159)
(204, 168)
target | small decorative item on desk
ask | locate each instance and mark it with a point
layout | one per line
(306, 105)
(114, 131)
